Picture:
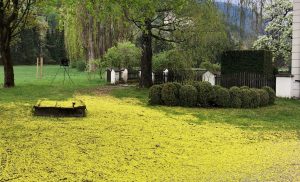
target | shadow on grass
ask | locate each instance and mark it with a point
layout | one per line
(284, 115)
(30, 93)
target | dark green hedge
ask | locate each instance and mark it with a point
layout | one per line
(251, 61)
(203, 94)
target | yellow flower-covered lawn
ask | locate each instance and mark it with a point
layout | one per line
(124, 139)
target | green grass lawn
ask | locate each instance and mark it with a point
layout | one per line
(124, 139)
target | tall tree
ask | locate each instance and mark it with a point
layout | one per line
(156, 19)
(13, 18)
(278, 32)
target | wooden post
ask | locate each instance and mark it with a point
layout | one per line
(39, 67)
(42, 64)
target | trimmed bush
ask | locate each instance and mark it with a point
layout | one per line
(222, 97)
(255, 98)
(272, 95)
(81, 66)
(178, 85)
(246, 98)
(245, 87)
(251, 61)
(206, 94)
(264, 97)
(170, 94)
(235, 97)
(216, 87)
(188, 96)
(155, 95)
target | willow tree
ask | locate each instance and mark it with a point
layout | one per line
(91, 28)
(156, 19)
(13, 18)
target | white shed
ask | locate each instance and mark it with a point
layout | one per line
(115, 75)
(209, 77)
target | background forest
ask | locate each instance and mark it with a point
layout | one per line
(84, 32)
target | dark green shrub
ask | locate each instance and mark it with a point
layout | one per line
(246, 98)
(222, 97)
(155, 95)
(216, 87)
(272, 95)
(206, 93)
(252, 61)
(170, 94)
(73, 64)
(255, 98)
(81, 66)
(235, 97)
(178, 85)
(264, 97)
(245, 87)
(188, 96)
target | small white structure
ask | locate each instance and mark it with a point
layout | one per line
(114, 75)
(124, 75)
(209, 77)
(165, 74)
(284, 85)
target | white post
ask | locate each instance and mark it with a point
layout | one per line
(296, 50)
(113, 77)
(153, 77)
(166, 72)
(125, 75)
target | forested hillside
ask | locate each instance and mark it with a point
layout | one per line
(244, 24)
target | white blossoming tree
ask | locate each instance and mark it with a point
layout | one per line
(278, 32)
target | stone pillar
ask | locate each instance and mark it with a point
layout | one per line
(296, 50)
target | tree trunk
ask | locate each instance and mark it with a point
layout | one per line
(146, 61)
(91, 43)
(9, 80)
(5, 58)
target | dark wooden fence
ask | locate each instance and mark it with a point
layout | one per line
(252, 80)
(133, 76)
(186, 75)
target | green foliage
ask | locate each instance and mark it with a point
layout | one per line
(246, 98)
(178, 85)
(264, 97)
(173, 60)
(170, 94)
(222, 97)
(245, 87)
(100, 67)
(210, 66)
(254, 97)
(155, 95)
(272, 95)
(188, 96)
(247, 61)
(73, 64)
(206, 93)
(207, 38)
(278, 31)
(124, 55)
(81, 65)
(235, 97)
